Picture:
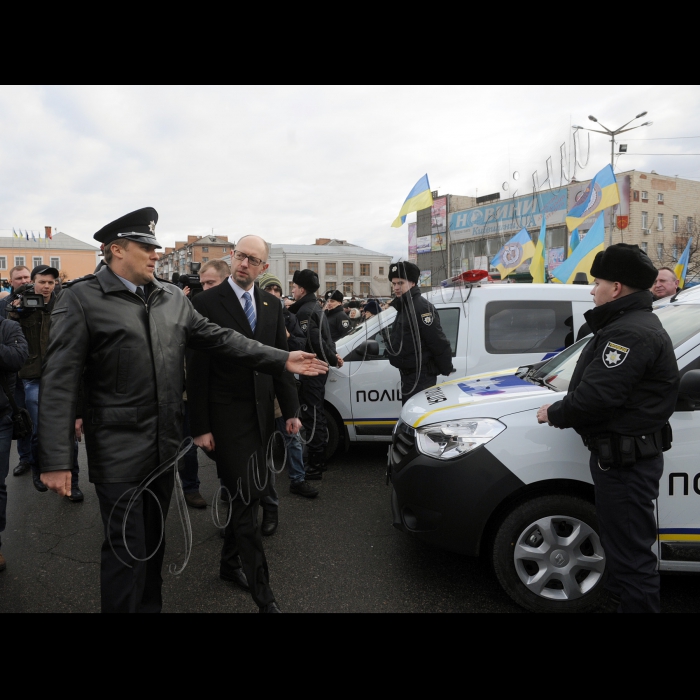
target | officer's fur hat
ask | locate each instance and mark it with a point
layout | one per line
(334, 294)
(405, 271)
(625, 263)
(307, 279)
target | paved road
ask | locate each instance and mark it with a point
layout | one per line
(338, 553)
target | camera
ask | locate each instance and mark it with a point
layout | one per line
(192, 280)
(28, 299)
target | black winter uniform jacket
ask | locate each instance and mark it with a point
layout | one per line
(297, 338)
(338, 323)
(130, 355)
(416, 316)
(626, 379)
(13, 353)
(314, 325)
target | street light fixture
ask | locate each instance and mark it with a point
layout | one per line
(613, 133)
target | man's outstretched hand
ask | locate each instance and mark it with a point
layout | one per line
(59, 481)
(301, 362)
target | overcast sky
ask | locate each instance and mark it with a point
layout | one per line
(296, 163)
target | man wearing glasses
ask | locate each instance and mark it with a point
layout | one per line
(232, 412)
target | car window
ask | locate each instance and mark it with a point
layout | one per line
(449, 320)
(526, 326)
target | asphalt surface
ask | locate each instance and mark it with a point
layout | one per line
(336, 553)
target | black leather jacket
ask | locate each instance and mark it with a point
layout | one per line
(130, 355)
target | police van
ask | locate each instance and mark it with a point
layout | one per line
(489, 326)
(472, 471)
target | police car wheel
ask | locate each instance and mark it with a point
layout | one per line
(548, 557)
(333, 434)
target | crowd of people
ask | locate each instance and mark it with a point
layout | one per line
(136, 363)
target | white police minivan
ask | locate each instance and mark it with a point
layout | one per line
(473, 472)
(490, 326)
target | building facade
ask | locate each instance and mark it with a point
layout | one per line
(198, 249)
(71, 257)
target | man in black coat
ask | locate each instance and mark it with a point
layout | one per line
(338, 321)
(124, 333)
(314, 324)
(416, 345)
(232, 411)
(621, 395)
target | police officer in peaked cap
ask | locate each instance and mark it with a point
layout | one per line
(124, 334)
(338, 321)
(416, 345)
(621, 395)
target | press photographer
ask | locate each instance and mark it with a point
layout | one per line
(31, 305)
(191, 284)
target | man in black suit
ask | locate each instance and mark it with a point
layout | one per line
(232, 411)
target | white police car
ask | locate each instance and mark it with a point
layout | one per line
(473, 472)
(489, 326)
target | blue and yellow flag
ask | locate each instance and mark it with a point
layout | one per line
(514, 253)
(600, 194)
(538, 266)
(574, 240)
(420, 197)
(583, 256)
(681, 268)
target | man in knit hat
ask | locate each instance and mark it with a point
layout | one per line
(621, 395)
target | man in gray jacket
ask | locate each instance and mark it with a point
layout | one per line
(124, 334)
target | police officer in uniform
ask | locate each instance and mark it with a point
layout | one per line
(416, 345)
(621, 395)
(338, 321)
(124, 333)
(312, 390)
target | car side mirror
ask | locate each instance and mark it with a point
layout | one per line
(689, 391)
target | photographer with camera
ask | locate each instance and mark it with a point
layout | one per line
(31, 305)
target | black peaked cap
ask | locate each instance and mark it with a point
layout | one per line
(139, 226)
(405, 271)
(307, 279)
(625, 263)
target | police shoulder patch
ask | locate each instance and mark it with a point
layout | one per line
(614, 355)
(427, 318)
(345, 324)
(304, 325)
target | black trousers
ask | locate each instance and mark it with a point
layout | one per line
(410, 387)
(624, 501)
(311, 394)
(135, 588)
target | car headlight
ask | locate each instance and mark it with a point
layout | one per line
(456, 437)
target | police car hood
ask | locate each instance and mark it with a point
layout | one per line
(490, 395)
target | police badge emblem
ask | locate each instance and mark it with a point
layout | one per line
(427, 318)
(304, 325)
(614, 355)
(345, 324)
(152, 226)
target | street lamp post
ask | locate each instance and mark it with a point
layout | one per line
(612, 133)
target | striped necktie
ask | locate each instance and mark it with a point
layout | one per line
(249, 311)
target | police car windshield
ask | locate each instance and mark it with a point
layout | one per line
(681, 322)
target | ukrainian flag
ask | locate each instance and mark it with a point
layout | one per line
(518, 249)
(420, 197)
(582, 258)
(600, 194)
(574, 240)
(538, 266)
(681, 268)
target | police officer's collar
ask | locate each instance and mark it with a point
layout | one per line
(304, 300)
(337, 310)
(397, 302)
(599, 316)
(111, 284)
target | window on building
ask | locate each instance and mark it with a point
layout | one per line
(659, 222)
(675, 253)
(56, 262)
(675, 223)
(348, 290)
(330, 286)
(660, 197)
(330, 269)
(644, 246)
(223, 250)
(205, 249)
(365, 269)
(205, 259)
(660, 251)
(36, 261)
(381, 270)
(645, 196)
(313, 266)
(3, 262)
(689, 224)
(294, 265)
(365, 289)
(635, 195)
(348, 269)
(645, 219)
(19, 260)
